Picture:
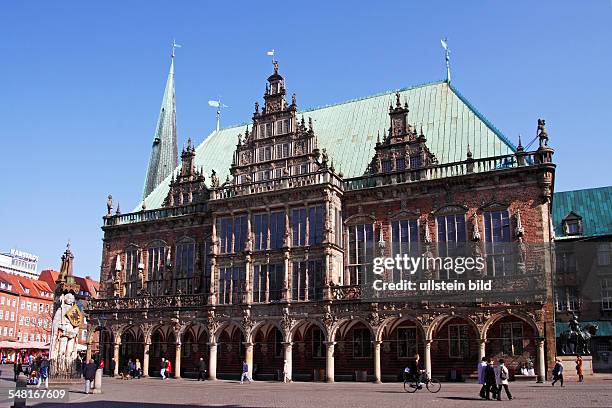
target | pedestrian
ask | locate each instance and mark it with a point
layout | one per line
(138, 369)
(245, 373)
(89, 373)
(579, 368)
(501, 379)
(481, 380)
(202, 369)
(44, 373)
(557, 372)
(113, 363)
(286, 373)
(101, 364)
(162, 371)
(489, 379)
(131, 368)
(168, 368)
(17, 368)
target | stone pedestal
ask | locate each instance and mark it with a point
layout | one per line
(97, 389)
(569, 366)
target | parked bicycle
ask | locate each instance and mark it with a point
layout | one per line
(412, 383)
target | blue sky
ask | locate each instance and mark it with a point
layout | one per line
(83, 82)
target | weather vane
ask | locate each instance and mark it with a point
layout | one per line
(174, 46)
(444, 43)
(217, 104)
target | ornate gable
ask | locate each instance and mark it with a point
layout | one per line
(278, 144)
(189, 186)
(402, 148)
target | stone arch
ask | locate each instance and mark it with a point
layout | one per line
(305, 325)
(400, 339)
(132, 346)
(262, 323)
(268, 349)
(230, 337)
(308, 350)
(500, 315)
(163, 345)
(224, 325)
(353, 339)
(194, 338)
(103, 349)
(350, 322)
(455, 346)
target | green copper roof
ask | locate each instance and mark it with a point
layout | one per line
(348, 131)
(594, 205)
(164, 152)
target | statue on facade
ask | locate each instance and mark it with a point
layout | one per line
(109, 206)
(214, 180)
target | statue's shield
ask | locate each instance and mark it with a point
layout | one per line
(75, 316)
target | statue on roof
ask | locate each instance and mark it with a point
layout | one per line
(542, 134)
(275, 63)
(109, 205)
(214, 180)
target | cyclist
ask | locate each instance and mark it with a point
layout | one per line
(417, 370)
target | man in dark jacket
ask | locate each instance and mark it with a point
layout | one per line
(18, 368)
(202, 369)
(489, 379)
(112, 367)
(89, 373)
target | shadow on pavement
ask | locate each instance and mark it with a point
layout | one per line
(464, 398)
(122, 404)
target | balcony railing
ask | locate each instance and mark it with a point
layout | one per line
(440, 171)
(151, 215)
(302, 180)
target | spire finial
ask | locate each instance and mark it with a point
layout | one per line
(469, 152)
(174, 46)
(444, 43)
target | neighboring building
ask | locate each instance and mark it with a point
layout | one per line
(26, 306)
(19, 263)
(583, 283)
(275, 263)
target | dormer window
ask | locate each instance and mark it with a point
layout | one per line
(572, 224)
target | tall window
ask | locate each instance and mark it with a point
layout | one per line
(131, 272)
(184, 267)
(232, 232)
(451, 228)
(386, 166)
(315, 222)
(298, 225)
(512, 338)
(362, 343)
(268, 282)
(307, 280)
(156, 256)
(277, 229)
(318, 348)
(606, 294)
(404, 241)
(497, 239)
(603, 254)
(407, 345)
(207, 269)
(361, 252)
(282, 150)
(260, 230)
(400, 164)
(232, 284)
(458, 342)
(338, 227)
(566, 299)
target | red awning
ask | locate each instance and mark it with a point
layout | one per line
(19, 345)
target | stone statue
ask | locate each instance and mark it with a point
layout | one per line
(109, 206)
(214, 180)
(67, 319)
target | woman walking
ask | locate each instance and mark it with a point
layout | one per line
(579, 368)
(557, 372)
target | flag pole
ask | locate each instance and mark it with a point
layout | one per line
(447, 57)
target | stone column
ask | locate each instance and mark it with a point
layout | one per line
(88, 355)
(116, 355)
(212, 361)
(377, 371)
(177, 361)
(145, 360)
(541, 362)
(288, 348)
(428, 357)
(329, 361)
(482, 350)
(249, 357)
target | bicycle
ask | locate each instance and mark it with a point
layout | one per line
(411, 385)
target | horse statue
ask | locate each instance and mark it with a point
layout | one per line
(577, 340)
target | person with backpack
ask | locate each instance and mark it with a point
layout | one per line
(557, 372)
(501, 379)
(489, 380)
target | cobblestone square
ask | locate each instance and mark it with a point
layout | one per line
(153, 393)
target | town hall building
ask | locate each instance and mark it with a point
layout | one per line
(259, 245)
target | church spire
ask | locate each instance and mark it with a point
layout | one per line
(164, 152)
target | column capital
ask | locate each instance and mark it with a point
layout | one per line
(428, 342)
(212, 344)
(287, 343)
(377, 342)
(481, 341)
(329, 343)
(248, 344)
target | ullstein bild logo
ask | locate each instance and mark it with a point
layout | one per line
(411, 265)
